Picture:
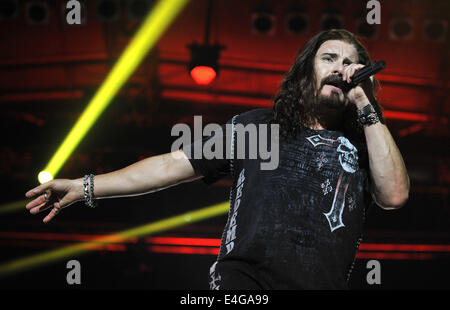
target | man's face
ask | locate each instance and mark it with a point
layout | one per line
(331, 59)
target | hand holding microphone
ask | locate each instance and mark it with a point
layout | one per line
(363, 74)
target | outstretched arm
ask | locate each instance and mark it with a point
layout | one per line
(145, 176)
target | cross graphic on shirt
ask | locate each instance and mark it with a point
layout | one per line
(334, 216)
(321, 160)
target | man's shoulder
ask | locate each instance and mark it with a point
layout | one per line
(255, 116)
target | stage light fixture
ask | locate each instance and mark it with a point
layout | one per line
(435, 30)
(138, 9)
(401, 26)
(263, 21)
(108, 10)
(203, 67)
(331, 19)
(296, 22)
(37, 12)
(8, 9)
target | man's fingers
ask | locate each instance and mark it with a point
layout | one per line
(33, 192)
(63, 202)
(38, 204)
(40, 208)
(57, 207)
(351, 70)
(349, 73)
(51, 215)
(46, 199)
(38, 190)
(43, 197)
(35, 202)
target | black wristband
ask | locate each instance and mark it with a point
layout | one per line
(367, 115)
(377, 108)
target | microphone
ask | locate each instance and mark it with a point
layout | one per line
(363, 74)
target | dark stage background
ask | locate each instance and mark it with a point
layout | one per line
(49, 71)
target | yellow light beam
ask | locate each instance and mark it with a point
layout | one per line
(26, 263)
(13, 206)
(152, 28)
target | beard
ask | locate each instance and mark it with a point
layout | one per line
(332, 102)
(331, 110)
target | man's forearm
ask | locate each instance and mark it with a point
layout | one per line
(145, 176)
(388, 171)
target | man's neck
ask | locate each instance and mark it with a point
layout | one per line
(329, 121)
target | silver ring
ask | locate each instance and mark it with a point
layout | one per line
(56, 210)
(45, 196)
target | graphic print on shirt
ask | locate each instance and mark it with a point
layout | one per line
(321, 160)
(231, 232)
(351, 202)
(348, 155)
(348, 158)
(214, 283)
(326, 188)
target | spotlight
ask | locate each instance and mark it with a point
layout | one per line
(401, 27)
(435, 30)
(108, 10)
(203, 75)
(37, 12)
(44, 176)
(331, 19)
(203, 67)
(263, 21)
(8, 9)
(296, 22)
(138, 9)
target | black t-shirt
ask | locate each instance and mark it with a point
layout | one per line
(297, 226)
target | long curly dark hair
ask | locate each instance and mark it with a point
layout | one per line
(295, 103)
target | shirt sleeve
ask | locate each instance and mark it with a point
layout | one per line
(210, 157)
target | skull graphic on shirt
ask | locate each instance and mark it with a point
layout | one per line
(348, 155)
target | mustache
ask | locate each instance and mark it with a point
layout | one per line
(334, 80)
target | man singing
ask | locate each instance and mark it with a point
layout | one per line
(297, 226)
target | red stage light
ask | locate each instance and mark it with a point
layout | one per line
(184, 250)
(203, 75)
(184, 241)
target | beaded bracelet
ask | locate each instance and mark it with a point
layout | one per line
(85, 185)
(89, 191)
(91, 194)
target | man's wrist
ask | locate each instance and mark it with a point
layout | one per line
(362, 103)
(367, 115)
